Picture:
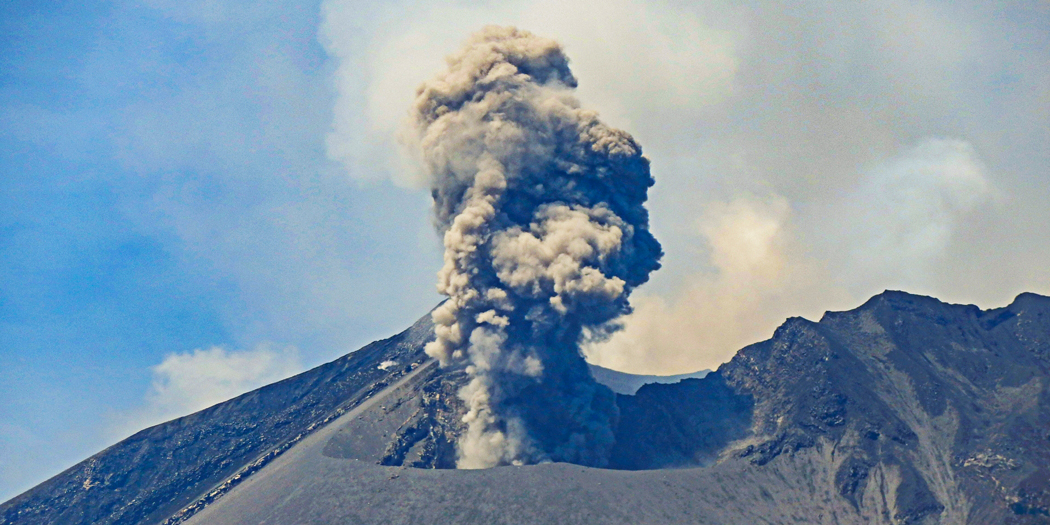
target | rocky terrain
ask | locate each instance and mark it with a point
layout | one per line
(904, 410)
(909, 410)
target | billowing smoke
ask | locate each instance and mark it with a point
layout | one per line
(545, 234)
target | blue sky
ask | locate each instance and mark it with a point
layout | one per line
(165, 188)
(200, 197)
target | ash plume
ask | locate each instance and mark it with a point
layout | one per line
(545, 234)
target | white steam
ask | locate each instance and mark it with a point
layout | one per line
(906, 211)
(892, 232)
(757, 277)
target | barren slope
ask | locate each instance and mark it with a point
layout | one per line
(905, 410)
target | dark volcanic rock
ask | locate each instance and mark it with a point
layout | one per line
(904, 410)
(687, 423)
(938, 411)
(917, 411)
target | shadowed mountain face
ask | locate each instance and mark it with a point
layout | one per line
(905, 410)
(912, 410)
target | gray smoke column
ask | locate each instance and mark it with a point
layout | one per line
(545, 234)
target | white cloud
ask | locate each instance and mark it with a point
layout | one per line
(184, 383)
(904, 214)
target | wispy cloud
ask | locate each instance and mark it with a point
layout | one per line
(895, 228)
(184, 383)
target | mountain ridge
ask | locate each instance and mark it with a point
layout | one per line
(903, 410)
(628, 384)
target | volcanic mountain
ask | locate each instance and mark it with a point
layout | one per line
(904, 410)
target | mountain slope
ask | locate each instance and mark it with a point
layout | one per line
(916, 410)
(904, 410)
(155, 473)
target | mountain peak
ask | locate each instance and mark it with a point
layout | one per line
(904, 410)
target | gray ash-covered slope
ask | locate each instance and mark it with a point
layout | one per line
(905, 410)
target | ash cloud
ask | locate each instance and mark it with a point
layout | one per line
(540, 206)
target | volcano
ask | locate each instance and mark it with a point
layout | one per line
(904, 410)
